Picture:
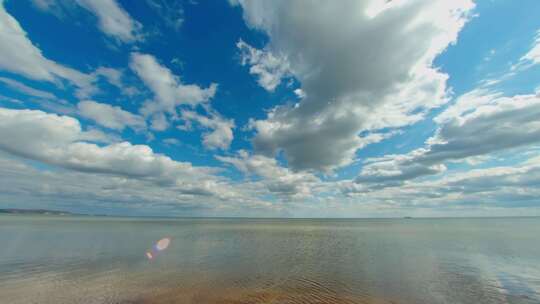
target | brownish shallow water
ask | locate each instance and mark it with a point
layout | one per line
(304, 292)
(102, 260)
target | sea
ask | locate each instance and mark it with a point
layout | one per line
(97, 259)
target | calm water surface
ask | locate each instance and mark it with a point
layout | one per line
(46, 259)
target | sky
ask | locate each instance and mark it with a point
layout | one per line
(368, 108)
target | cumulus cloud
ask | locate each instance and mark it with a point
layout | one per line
(112, 117)
(159, 122)
(276, 179)
(268, 68)
(477, 124)
(19, 55)
(178, 100)
(369, 69)
(130, 174)
(392, 170)
(497, 183)
(221, 134)
(168, 89)
(106, 172)
(26, 186)
(363, 76)
(501, 123)
(60, 140)
(32, 132)
(464, 192)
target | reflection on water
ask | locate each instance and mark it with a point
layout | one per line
(103, 260)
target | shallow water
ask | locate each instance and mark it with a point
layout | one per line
(47, 259)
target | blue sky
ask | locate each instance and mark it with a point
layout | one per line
(217, 108)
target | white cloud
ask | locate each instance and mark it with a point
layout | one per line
(392, 170)
(500, 123)
(113, 20)
(35, 133)
(517, 181)
(221, 134)
(268, 68)
(115, 172)
(467, 103)
(478, 124)
(170, 94)
(112, 117)
(45, 99)
(363, 76)
(275, 178)
(130, 174)
(21, 87)
(479, 191)
(168, 88)
(113, 76)
(18, 55)
(300, 93)
(159, 122)
(171, 141)
(25, 186)
(368, 69)
(60, 140)
(533, 55)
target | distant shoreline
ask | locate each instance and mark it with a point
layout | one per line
(16, 211)
(34, 211)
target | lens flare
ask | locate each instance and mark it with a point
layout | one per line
(162, 244)
(158, 247)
